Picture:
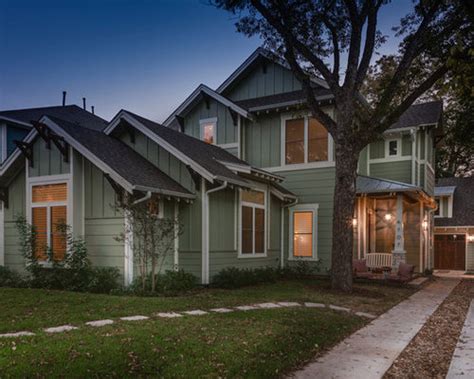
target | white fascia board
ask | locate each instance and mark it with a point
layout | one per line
(407, 128)
(164, 192)
(236, 167)
(216, 96)
(18, 122)
(161, 142)
(86, 153)
(17, 152)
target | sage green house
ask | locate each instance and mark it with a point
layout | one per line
(245, 169)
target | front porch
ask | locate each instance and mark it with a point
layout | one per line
(392, 225)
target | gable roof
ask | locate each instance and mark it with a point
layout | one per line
(368, 184)
(196, 96)
(463, 202)
(428, 113)
(115, 158)
(71, 113)
(258, 55)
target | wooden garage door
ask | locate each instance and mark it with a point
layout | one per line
(450, 251)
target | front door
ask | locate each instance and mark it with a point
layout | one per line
(450, 251)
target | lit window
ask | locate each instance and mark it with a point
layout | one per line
(306, 140)
(253, 222)
(208, 131)
(393, 148)
(303, 220)
(48, 218)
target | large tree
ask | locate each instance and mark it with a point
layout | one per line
(336, 40)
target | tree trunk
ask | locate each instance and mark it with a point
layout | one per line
(343, 211)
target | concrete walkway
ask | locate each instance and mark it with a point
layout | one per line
(462, 364)
(370, 352)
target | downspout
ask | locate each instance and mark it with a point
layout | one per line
(282, 235)
(205, 242)
(144, 198)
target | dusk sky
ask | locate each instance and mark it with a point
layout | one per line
(145, 56)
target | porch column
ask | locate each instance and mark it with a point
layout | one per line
(399, 253)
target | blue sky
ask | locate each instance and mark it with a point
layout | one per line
(142, 55)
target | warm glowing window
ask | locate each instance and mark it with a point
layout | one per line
(208, 130)
(303, 220)
(306, 140)
(253, 222)
(48, 218)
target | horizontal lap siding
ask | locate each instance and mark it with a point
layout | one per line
(17, 197)
(399, 171)
(314, 186)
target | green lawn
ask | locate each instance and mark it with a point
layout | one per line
(261, 343)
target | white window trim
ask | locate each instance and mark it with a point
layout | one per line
(265, 207)
(399, 148)
(206, 121)
(304, 208)
(299, 166)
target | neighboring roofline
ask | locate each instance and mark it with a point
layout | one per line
(16, 153)
(216, 96)
(288, 103)
(123, 114)
(266, 54)
(280, 195)
(407, 128)
(450, 192)
(15, 121)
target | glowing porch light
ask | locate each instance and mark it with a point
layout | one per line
(424, 224)
(354, 221)
(388, 217)
(471, 238)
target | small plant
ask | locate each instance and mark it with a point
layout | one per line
(233, 277)
(103, 280)
(10, 278)
(169, 283)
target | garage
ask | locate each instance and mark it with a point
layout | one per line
(450, 252)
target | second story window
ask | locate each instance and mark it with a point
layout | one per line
(393, 148)
(209, 130)
(306, 141)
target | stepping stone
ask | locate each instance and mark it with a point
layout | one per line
(16, 334)
(315, 305)
(169, 314)
(338, 308)
(222, 310)
(366, 315)
(134, 318)
(246, 307)
(268, 305)
(60, 329)
(418, 282)
(196, 312)
(98, 323)
(289, 304)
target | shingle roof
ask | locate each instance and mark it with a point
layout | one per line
(367, 184)
(420, 114)
(126, 162)
(71, 113)
(206, 155)
(273, 101)
(463, 202)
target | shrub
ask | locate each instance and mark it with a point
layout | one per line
(233, 277)
(103, 280)
(301, 269)
(10, 278)
(169, 283)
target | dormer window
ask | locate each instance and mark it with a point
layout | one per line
(209, 130)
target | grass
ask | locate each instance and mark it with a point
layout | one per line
(263, 343)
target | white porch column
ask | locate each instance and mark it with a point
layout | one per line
(399, 253)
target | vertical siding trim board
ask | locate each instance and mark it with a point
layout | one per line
(176, 237)
(128, 249)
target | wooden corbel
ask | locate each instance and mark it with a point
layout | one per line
(61, 145)
(4, 196)
(180, 123)
(26, 149)
(43, 132)
(117, 188)
(235, 116)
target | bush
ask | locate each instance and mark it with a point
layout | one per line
(169, 283)
(301, 269)
(10, 278)
(233, 277)
(103, 280)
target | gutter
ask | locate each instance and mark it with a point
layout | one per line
(144, 198)
(282, 238)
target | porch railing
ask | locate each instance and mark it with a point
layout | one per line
(378, 260)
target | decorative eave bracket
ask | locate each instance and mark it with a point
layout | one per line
(47, 135)
(235, 116)
(116, 187)
(27, 150)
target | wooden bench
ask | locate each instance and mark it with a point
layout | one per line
(378, 260)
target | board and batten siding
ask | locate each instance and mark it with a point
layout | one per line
(17, 207)
(47, 161)
(227, 132)
(264, 80)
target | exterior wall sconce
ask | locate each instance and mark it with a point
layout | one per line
(471, 238)
(354, 222)
(424, 224)
(388, 217)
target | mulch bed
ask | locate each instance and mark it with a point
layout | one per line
(429, 354)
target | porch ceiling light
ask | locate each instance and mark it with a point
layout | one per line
(425, 224)
(388, 217)
(471, 238)
(354, 221)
